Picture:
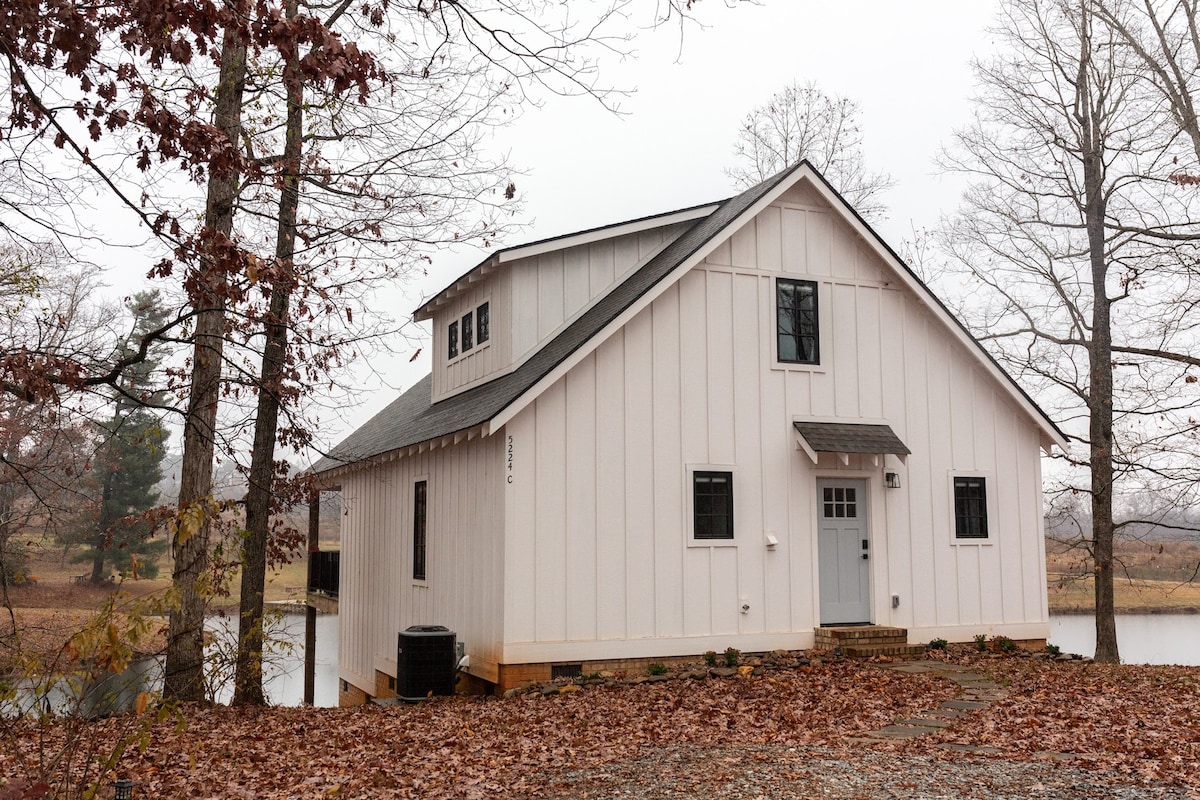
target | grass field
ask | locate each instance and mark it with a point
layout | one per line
(55, 584)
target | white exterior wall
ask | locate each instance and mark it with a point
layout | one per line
(532, 300)
(463, 589)
(549, 291)
(599, 558)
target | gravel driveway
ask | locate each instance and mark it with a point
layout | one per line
(779, 773)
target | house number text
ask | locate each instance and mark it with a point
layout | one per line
(510, 459)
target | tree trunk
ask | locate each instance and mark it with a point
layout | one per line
(1100, 377)
(184, 678)
(248, 687)
(102, 526)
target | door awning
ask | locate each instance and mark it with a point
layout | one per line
(848, 437)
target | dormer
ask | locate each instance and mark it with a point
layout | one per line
(497, 315)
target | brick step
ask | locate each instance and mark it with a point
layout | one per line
(827, 638)
(870, 650)
(828, 643)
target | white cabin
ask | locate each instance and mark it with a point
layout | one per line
(726, 426)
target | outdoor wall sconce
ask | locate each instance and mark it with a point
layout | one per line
(892, 479)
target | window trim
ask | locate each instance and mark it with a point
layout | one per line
(818, 327)
(691, 472)
(989, 507)
(420, 543)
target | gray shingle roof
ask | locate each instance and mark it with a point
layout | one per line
(413, 419)
(851, 437)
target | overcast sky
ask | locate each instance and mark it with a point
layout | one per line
(906, 64)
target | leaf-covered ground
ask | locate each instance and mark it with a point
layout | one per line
(1128, 731)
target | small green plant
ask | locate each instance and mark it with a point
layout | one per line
(1053, 649)
(981, 642)
(591, 676)
(937, 644)
(732, 654)
(1003, 644)
(710, 658)
(657, 668)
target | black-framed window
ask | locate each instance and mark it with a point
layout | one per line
(970, 508)
(483, 323)
(796, 321)
(467, 338)
(712, 505)
(452, 339)
(420, 495)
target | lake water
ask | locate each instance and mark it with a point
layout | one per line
(1141, 638)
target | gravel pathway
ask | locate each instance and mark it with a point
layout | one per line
(781, 773)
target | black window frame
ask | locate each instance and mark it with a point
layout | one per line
(970, 508)
(467, 334)
(452, 340)
(420, 529)
(710, 524)
(483, 323)
(798, 331)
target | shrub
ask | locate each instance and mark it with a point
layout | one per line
(981, 642)
(710, 658)
(937, 644)
(657, 668)
(732, 654)
(1052, 649)
(1003, 644)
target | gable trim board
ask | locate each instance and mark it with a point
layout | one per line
(413, 418)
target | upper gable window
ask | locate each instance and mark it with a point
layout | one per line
(796, 321)
(452, 338)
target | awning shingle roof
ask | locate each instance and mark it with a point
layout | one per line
(851, 437)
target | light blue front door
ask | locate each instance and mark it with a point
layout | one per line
(843, 550)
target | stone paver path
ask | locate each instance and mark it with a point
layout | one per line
(976, 692)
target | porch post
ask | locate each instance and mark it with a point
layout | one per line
(310, 611)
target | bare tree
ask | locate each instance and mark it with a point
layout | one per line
(1071, 163)
(802, 122)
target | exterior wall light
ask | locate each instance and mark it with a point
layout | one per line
(892, 479)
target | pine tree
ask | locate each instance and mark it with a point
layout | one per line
(129, 461)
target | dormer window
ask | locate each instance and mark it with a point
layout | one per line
(482, 323)
(468, 332)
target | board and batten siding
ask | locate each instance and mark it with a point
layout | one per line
(463, 589)
(599, 560)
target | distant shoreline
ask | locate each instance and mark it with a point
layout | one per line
(1078, 612)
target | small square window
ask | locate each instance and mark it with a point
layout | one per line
(712, 505)
(970, 508)
(452, 339)
(796, 328)
(483, 323)
(467, 344)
